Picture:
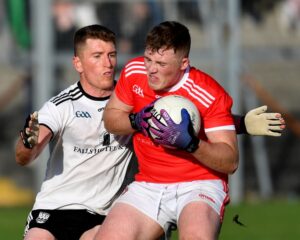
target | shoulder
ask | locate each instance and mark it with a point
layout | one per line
(71, 93)
(205, 81)
(135, 61)
(203, 88)
(135, 66)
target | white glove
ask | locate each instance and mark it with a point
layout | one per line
(258, 122)
(30, 133)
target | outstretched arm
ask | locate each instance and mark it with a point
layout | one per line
(258, 122)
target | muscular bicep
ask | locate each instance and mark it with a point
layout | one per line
(224, 136)
(115, 103)
(224, 150)
(220, 152)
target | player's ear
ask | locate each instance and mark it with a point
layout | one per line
(77, 64)
(185, 62)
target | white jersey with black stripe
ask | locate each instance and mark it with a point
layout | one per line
(87, 165)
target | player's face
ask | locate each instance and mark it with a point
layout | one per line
(96, 62)
(164, 68)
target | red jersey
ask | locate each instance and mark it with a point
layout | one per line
(214, 104)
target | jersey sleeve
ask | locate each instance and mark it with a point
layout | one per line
(50, 117)
(218, 116)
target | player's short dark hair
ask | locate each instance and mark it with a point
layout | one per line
(169, 35)
(95, 31)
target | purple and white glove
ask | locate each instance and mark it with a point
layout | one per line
(139, 121)
(175, 135)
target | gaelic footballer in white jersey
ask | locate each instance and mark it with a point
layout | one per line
(91, 171)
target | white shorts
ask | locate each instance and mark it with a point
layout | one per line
(164, 202)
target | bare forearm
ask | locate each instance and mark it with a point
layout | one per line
(218, 156)
(117, 122)
(24, 156)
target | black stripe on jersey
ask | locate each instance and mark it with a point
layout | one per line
(77, 89)
(65, 95)
(72, 95)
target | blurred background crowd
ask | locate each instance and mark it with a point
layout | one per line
(251, 47)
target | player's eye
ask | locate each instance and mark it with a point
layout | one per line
(147, 60)
(113, 55)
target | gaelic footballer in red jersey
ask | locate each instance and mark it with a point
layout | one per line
(187, 185)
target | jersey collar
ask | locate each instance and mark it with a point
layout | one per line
(181, 82)
(90, 96)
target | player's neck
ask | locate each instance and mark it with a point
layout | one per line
(97, 91)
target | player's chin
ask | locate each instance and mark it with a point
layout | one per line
(106, 83)
(155, 86)
(108, 79)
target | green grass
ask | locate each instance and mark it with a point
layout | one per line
(264, 221)
(12, 222)
(273, 220)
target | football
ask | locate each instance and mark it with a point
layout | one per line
(173, 105)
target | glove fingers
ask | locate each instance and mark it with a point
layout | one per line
(144, 124)
(158, 124)
(185, 116)
(35, 128)
(273, 116)
(34, 115)
(147, 115)
(259, 110)
(275, 128)
(145, 132)
(156, 132)
(273, 134)
(33, 140)
(166, 117)
(275, 122)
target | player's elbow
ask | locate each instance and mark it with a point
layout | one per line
(234, 164)
(233, 169)
(21, 160)
(24, 156)
(108, 124)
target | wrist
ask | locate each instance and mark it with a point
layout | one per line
(240, 125)
(243, 126)
(193, 145)
(132, 117)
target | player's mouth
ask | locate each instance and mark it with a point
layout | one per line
(108, 74)
(153, 79)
